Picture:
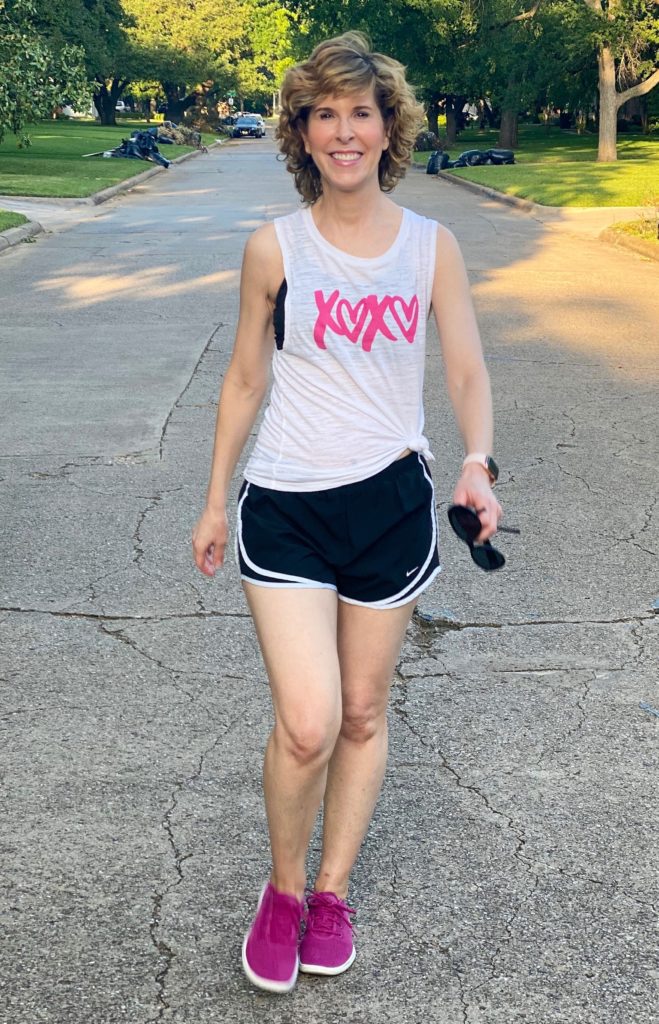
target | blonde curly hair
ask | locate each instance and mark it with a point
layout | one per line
(338, 67)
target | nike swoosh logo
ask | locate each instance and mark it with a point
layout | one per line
(412, 570)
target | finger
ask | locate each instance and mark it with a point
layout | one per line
(489, 517)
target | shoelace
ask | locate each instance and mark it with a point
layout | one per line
(329, 912)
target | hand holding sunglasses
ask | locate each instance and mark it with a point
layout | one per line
(465, 522)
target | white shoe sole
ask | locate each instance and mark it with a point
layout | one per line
(317, 969)
(281, 987)
(268, 985)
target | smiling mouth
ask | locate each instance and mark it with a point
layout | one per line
(346, 158)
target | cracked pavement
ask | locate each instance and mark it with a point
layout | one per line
(510, 872)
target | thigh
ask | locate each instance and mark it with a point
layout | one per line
(297, 632)
(369, 643)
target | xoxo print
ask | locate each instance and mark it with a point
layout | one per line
(364, 319)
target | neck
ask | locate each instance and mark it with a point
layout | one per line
(350, 210)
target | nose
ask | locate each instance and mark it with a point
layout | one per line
(344, 130)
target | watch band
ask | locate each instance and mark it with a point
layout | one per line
(486, 461)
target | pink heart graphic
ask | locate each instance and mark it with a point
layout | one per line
(356, 314)
(410, 315)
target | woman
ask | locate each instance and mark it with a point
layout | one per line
(336, 533)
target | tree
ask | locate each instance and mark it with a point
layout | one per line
(35, 77)
(626, 37)
(265, 51)
(98, 27)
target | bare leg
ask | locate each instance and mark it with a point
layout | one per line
(297, 633)
(369, 643)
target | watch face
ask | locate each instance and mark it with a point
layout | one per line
(492, 468)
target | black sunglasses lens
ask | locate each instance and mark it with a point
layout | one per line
(464, 522)
(486, 557)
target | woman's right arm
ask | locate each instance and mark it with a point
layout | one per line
(243, 390)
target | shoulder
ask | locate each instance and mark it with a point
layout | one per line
(448, 250)
(263, 243)
(263, 261)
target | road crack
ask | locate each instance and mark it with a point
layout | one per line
(179, 398)
(166, 952)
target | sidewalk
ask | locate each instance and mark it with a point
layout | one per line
(510, 873)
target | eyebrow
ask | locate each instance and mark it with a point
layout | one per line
(358, 106)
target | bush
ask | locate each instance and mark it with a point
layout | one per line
(425, 141)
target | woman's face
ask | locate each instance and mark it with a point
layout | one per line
(345, 136)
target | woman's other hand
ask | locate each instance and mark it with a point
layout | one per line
(473, 489)
(209, 540)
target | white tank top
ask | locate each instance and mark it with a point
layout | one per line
(347, 393)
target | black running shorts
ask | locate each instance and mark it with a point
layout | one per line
(374, 541)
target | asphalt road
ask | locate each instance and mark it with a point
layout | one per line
(510, 873)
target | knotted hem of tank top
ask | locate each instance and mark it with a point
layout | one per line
(420, 445)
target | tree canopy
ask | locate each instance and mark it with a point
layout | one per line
(36, 75)
(509, 56)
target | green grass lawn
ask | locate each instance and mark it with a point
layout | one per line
(11, 220)
(559, 168)
(53, 164)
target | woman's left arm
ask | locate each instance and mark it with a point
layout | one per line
(467, 378)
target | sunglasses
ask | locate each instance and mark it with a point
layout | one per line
(465, 522)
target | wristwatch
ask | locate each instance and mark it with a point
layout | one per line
(487, 462)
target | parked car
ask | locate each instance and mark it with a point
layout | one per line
(248, 125)
(121, 107)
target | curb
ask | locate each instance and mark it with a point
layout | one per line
(623, 241)
(491, 193)
(12, 236)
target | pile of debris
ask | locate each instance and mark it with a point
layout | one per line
(181, 135)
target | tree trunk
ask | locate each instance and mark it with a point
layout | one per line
(608, 107)
(508, 129)
(177, 104)
(645, 116)
(454, 120)
(105, 104)
(509, 115)
(105, 99)
(433, 112)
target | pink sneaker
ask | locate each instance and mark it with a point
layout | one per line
(270, 957)
(327, 946)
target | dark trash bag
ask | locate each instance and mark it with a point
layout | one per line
(499, 156)
(437, 161)
(470, 158)
(478, 157)
(140, 146)
(432, 167)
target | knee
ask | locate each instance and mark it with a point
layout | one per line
(307, 743)
(363, 721)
